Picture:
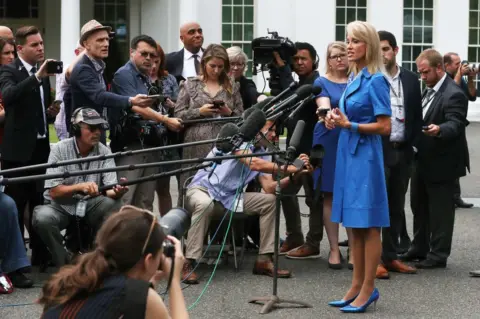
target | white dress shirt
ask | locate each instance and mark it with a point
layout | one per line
(435, 90)
(188, 63)
(29, 67)
(397, 102)
(60, 88)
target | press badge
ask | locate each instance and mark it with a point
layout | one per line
(81, 208)
(238, 204)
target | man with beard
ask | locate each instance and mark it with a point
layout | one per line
(405, 97)
(63, 206)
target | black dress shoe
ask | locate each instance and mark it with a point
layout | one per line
(19, 280)
(411, 256)
(343, 243)
(461, 204)
(475, 273)
(430, 264)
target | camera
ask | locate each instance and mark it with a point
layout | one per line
(263, 49)
(54, 67)
(175, 223)
(473, 67)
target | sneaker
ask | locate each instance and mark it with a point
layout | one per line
(304, 252)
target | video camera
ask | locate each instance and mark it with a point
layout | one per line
(263, 49)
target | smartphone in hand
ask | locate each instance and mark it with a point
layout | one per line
(218, 104)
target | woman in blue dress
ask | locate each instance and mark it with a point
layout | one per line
(360, 195)
(333, 84)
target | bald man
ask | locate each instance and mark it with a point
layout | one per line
(6, 32)
(186, 62)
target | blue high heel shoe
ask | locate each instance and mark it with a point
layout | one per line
(373, 299)
(341, 303)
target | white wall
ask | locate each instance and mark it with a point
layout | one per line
(450, 26)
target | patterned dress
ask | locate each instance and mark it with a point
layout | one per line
(193, 95)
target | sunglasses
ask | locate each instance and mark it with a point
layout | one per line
(152, 226)
(148, 54)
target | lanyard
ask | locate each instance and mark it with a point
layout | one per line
(84, 177)
(399, 94)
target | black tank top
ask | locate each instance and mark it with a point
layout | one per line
(119, 297)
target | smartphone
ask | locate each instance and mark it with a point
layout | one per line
(54, 67)
(322, 111)
(425, 128)
(159, 97)
(218, 104)
(57, 102)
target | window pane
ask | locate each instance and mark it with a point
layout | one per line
(362, 14)
(340, 16)
(408, 4)
(472, 54)
(248, 2)
(407, 34)
(249, 69)
(237, 32)
(473, 4)
(238, 2)
(428, 18)
(17, 8)
(351, 3)
(472, 36)
(340, 33)
(121, 12)
(362, 3)
(110, 13)
(428, 4)
(99, 13)
(226, 14)
(418, 4)
(407, 18)
(248, 32)
(474, 19)
(417, 35)
(406, 53)
(417, 49)
(227, 32)
(238, 14)
(417, 17)
(227, 2)
(351, 16)
(428, 35)
(247, 48)
(34, 13)
(340, 3)
(248, 14)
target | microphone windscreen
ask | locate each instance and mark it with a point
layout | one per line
(227, 130)
(253, 125)
(246, 114)
(316, 90)
(303, 91)
(297, 134)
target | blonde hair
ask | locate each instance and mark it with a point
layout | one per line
(365, 32)
(433, 57)
(236, 54)
(334, 45)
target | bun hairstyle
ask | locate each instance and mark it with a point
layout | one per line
(119, 244)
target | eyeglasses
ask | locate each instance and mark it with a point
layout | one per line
(237, 65)
(148, 54)
(338, 57)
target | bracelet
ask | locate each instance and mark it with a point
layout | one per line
(354, 127)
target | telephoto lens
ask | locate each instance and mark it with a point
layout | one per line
(175, 223)
(316, 155)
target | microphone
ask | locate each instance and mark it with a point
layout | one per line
(247, 112)
(295, 141)
(301, 93)
(279, 96)
(316, 90)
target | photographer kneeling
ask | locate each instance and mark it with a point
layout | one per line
(62, 207)
(118, 279)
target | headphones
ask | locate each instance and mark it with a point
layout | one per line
(316, 63)
(75, 128)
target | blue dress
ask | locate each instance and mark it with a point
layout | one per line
(360, 193)
(327, 138)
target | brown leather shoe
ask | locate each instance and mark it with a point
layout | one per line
(398, 266)
(188, 275)
(305, 251)
(382, 272)
(289, 245)
(266, 268)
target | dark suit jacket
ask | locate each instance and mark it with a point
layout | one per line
(174, 62)
(23, 105)
(442, 158)
(88, 91)
(413, 116)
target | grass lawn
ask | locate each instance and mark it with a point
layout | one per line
(53, 134)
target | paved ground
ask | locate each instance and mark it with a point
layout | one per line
(445, 293)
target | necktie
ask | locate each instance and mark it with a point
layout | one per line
(196, 63)
(427, 97)
(40, 122)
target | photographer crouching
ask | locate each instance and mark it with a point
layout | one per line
(129, 131)
(305, 65)
(122, 272)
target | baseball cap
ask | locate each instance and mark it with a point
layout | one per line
(89, 116)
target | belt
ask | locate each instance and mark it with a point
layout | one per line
(398, 145)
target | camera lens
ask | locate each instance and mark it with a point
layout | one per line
(176, 222)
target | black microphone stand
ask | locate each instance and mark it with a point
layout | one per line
(270, 301)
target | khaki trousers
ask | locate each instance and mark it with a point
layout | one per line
(203, 208)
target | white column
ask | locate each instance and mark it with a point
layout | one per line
(387, 16)
(450, 26)
(70, 29)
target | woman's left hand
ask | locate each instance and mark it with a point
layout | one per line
(169, 103)
(339, 119)
(225, 111)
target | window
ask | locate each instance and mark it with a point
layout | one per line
(238, 26)
(417, 30)
(348, 11)
(473, 36)
(114, 13)
(18, 9)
